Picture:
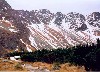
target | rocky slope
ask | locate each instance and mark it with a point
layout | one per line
(38, 29)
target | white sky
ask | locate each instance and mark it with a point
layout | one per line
(64, 6)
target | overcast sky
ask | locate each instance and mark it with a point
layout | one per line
(64, 6)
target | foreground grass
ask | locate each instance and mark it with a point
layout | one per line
(63, 67)
(8, 65)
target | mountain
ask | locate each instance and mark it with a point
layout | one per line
(38, 29)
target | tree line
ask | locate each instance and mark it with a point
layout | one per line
(82, 55)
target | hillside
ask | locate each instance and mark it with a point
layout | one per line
(47, 41)
(38, 29)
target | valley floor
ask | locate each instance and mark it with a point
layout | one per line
(19, 66)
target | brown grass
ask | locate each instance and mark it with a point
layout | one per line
(10, 66)
(42, 65)
(64, 67)
(16, 66)
(71, 68)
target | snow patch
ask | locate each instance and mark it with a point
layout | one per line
(16, 57)
(12, 58)
(12, 30)
(33, 43)
(28, 49)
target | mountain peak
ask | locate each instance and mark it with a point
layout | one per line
(94, 19)
(43, 29)
(4, 5)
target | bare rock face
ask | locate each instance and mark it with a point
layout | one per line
(12, 29)
(94, 19)
(76, 20)
(4, 6)
(59, 18)
(39, 29)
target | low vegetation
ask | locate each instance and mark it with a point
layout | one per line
(82, 55)
(18, 66)
(8, 65)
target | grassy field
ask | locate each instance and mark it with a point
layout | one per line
(8, 65)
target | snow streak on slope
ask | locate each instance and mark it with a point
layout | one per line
(54, 36)
(41, 29)
(27, 46)
(5, 24)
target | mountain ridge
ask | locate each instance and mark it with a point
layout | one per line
(39, 29)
